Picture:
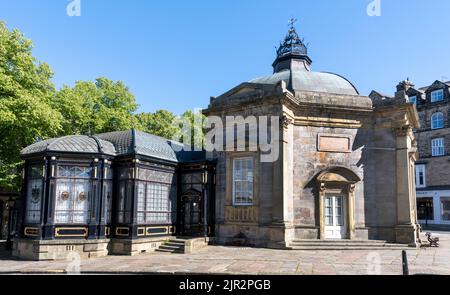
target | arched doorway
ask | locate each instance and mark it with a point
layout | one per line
(192, 213)
(337, 203)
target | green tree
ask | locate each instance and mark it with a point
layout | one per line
(190, 126)
(96, 107)
(26, 92)
(160, 123)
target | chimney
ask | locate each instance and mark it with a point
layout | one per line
(405, 85)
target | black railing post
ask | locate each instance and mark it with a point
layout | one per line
(405, 263)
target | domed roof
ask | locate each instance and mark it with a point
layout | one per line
(130, 142)
(293, 66)
(141, 143)
(71, 144)
(304, 80)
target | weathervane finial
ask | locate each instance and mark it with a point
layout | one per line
(292, 22)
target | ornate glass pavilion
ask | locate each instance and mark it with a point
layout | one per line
(119, 192)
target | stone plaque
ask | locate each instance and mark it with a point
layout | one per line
(334, 143)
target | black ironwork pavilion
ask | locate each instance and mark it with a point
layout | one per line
(120, 187)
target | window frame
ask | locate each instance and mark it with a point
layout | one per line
(413, 99)
(234, 202)
(417, 171)
(434, 94)
(67, 178)
(436, 147)
(444, 212)
(438, 120)
(38, 180)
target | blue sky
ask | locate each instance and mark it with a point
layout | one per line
(176, 54)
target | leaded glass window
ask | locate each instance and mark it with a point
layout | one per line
(107, 194)
(108, 200)
(125, 198)
(73, 193)
(156, 197)
(243, 181)
(34, 194)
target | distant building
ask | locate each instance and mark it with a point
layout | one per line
(433, 141)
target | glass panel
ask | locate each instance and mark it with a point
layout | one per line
(108, 200)
(420, 175)
(243, 181)
(438, 147)
(329, 211)
(425, 209)
(36, 172)
(72, 200)
(338, 211)
(437, 95)
(445, 209)
(121, 206)
(34, 199)
(74, 171)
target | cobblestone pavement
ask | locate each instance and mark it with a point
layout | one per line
(232, 260)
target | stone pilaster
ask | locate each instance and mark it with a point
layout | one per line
(406, 229)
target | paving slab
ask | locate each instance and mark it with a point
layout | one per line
(235, 260)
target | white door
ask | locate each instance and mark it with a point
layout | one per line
(335, 221)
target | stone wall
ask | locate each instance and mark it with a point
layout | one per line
(308, 163)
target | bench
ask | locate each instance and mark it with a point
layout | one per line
(433, 241)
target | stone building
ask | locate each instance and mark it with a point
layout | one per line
(433, 138)
(343, 170)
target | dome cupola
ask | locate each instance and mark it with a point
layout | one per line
(292, 52)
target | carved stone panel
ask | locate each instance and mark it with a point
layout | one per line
(241, 214)
(334, 143)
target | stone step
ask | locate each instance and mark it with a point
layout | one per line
(171, 247)
(174, 245)
(343, 245)
(345, 248)
(340, 241)
(169, 251)
(177, 242)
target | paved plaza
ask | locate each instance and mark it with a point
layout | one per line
(232, 260)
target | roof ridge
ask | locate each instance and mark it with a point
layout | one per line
(99, 145)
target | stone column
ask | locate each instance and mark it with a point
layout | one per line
(406, 227)
(321, 211)
(282, 200)
(351, 211)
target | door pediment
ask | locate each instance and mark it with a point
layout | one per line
(338, 175)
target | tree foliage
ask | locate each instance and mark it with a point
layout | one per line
(96, 107)
(31, 109)
(160, 123)
(26, 92)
